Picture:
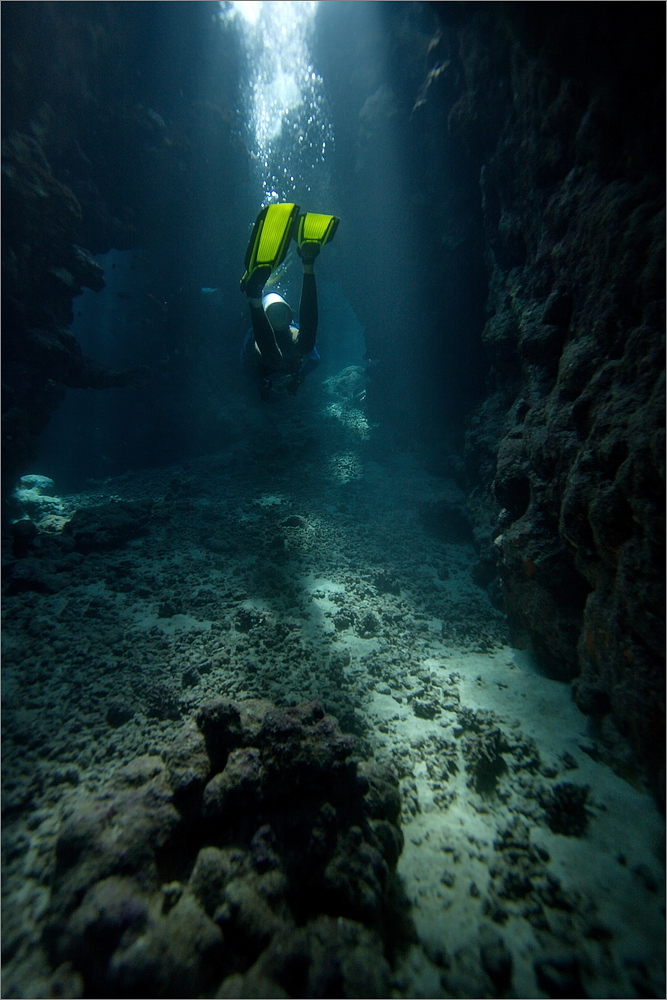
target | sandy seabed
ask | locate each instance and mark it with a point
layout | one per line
(293, 571)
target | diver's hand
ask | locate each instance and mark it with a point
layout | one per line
(308, 251)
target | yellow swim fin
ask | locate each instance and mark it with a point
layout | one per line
(315, 228)
(269, 240)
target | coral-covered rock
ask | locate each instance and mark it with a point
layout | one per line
(356, 878)
(521, 883)
(187, 760)
(99, 529)
(214, 869)
(180, 954)
(483, 754)
(248, 915)
(24, 533)
(300, 745)
(284, 833)
(382, 797)
(559, 975)
(238, 786)
(30, 574)
(496, 959)
(112, 912)
(565, 808)
(325, 958)
(116, 832)
(220, 722)
(263, 849)
(44, 268)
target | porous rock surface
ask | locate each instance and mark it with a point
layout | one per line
(566, 454)
(256, 859)
(537, 188)
(159, 653)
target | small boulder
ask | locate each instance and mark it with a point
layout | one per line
(214, 869)
(101, 529)
(115, 832)
(32, 575)
(183, 947)
(187, 761)
(565, 808)
(219, 720)
(239, 785)
(248, 912)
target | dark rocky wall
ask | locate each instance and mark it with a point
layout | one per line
(567, 451)
(524, 145)
(120, 130)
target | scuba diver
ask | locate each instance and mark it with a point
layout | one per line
(277, 352)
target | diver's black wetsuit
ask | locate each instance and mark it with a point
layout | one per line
(265, 339)
(279, 353)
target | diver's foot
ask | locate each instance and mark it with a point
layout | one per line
(253, 284)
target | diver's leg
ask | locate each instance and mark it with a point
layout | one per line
(308, 317)
(264, 335)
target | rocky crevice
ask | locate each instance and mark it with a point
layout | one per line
(567, 452)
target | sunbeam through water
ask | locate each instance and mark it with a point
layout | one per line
(289, 128)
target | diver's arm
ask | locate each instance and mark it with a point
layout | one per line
(308, 317)
(264, 335)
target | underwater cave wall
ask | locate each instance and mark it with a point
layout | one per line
(532, 155)
(566, 454)
(119, 131)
